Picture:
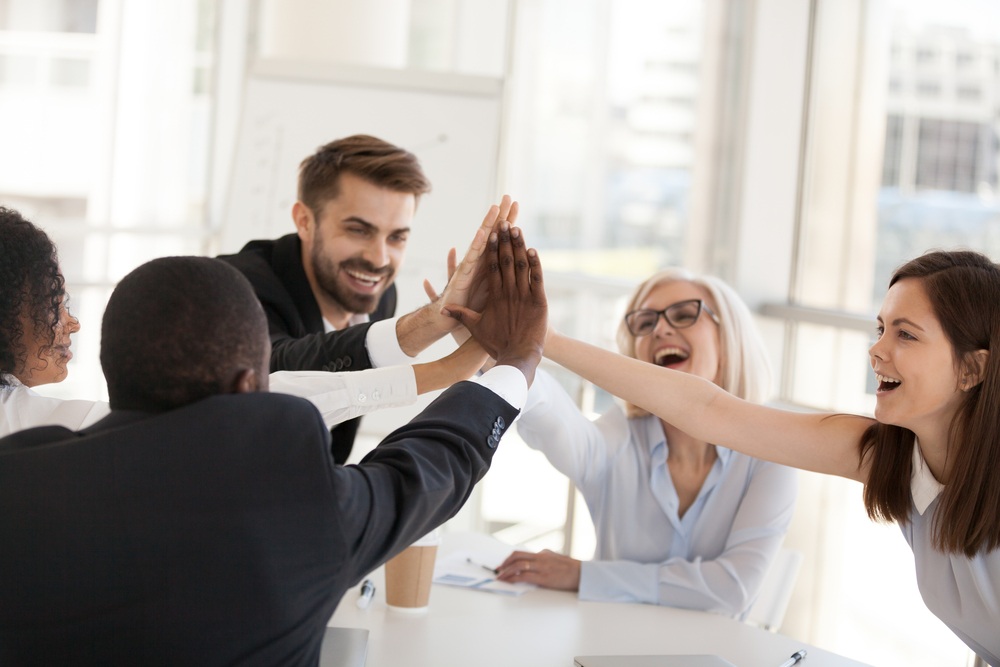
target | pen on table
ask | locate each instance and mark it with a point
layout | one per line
(798, 655)
(485, 567)
(367, 593)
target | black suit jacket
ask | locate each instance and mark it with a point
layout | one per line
(220, 533)
(298, 339)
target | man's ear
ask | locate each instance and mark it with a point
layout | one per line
(304, 219)
(975, 369)
(246, 382)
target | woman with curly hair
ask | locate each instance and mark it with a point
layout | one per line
(36, 325)
(35, 330)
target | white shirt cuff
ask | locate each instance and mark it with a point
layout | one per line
(506, 382)
(383, 346)
(343, 396)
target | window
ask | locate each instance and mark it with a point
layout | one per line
(887, 176)
(603, 129)
(116, 173)
(601, 147)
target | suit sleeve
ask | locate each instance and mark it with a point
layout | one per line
(420, 475)
(335, 351)
(298, 342)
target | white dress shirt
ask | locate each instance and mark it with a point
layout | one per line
(963, 592)
(714, 558)
(338, 396)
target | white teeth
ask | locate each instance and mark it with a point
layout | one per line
(883, 378)
(667, 351)
(365, 277)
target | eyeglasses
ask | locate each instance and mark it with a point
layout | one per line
(680, 315)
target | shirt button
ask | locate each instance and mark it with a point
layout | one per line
(362, 398)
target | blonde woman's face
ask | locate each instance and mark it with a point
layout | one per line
(695, 349)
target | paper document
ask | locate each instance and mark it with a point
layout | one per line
(455, 569)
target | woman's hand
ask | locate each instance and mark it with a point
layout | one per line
(545, 568)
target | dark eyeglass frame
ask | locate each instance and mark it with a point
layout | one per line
(665, 313)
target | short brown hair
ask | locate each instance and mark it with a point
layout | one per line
(367, 157)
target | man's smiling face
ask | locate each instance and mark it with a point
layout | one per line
(354, 245)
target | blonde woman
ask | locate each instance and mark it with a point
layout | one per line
(680, 520)
(929, 459)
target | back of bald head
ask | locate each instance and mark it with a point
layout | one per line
(179, 329)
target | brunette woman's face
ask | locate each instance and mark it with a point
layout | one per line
(45, 363)
(914, 362)
(695, 349)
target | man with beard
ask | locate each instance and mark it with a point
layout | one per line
(328, 290)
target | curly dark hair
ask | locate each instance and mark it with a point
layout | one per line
(31, 289)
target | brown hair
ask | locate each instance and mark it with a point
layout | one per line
(964, 290)
(367, 157)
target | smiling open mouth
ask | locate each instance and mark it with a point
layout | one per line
(886, 383)
(669, 356)
(369, 279)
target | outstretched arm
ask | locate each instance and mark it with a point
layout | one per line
(346, 395)
(819, 442)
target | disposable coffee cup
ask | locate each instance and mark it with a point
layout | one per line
(408, 575)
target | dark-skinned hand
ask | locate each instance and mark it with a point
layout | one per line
(514, 320)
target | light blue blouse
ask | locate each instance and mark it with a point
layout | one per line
(714, 558)
(963, 592)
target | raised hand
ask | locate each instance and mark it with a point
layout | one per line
(514, 320)
(461, 289)
(417, 330)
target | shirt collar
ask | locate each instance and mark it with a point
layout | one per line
(11, 380)
(356, 318)
(923, 486)
(655, 439)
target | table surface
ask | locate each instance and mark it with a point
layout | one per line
(548, 628)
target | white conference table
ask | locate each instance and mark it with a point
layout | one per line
(548, 628)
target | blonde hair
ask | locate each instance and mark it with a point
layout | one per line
(745, 371)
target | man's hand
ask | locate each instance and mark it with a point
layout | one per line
(514, 321)
(545, 568)
(417, 330)
(465, 285)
